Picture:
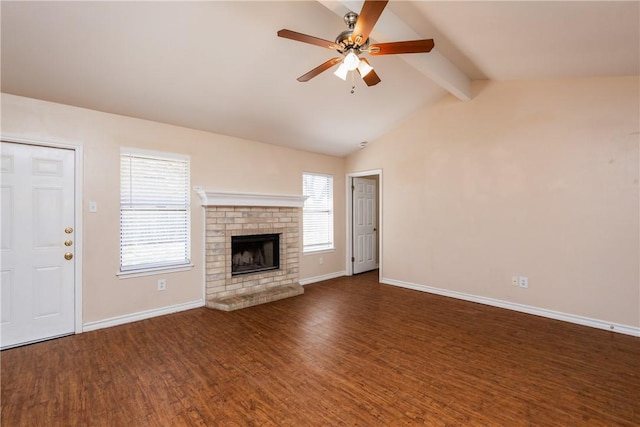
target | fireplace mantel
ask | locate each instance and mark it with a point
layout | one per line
(218, 198)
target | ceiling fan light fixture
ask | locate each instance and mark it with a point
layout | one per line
(364, 68)
(351, 60)
(342, 71)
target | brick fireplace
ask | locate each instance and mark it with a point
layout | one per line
(242, 214)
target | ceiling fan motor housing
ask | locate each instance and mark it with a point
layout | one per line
(345, 40)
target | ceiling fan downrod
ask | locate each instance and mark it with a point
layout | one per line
(350, 19)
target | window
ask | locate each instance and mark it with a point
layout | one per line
(317, 214)
(154, 210)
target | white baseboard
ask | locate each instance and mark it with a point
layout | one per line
(141, 315)
(315, 279)
(571, 318)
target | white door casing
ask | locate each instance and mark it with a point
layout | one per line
(364, 224)
(38, 205)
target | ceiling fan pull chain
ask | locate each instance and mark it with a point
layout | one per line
(353, 83)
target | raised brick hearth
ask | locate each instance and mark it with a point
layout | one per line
(230, 215)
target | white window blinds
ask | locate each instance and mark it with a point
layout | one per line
(154, 210)
(317, 214)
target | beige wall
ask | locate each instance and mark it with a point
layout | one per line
(217, 162)
(530, 178)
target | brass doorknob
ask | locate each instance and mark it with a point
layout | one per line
(68, 242)
(68, 230)
(68, 256)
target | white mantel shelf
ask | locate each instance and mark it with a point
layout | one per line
(217, 198)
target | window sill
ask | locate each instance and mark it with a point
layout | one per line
(318, 251)
(153, 271)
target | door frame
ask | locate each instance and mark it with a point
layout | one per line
(349, 221)
(77, 149)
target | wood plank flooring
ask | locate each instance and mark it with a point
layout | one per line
(349, 352)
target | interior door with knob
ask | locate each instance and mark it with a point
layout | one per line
(38, 265)
(364, 225)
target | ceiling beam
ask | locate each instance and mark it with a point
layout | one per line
(434, 65)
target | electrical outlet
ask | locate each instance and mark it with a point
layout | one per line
(523, 281)
(162, 284)
(515, 281)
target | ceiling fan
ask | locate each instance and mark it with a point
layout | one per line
(354, 41)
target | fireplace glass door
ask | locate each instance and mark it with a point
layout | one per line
(255, 253)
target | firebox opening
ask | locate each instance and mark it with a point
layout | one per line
(254, 253)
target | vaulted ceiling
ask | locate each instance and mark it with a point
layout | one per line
(219, 66)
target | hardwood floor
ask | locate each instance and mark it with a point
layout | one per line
(349, 352)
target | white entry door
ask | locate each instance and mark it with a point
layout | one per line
(37, 282)
(364, 225)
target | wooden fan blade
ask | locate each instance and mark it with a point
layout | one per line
(371, 11)
(412, 46)
(371, 78)
(311, 74)
(288, 34)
